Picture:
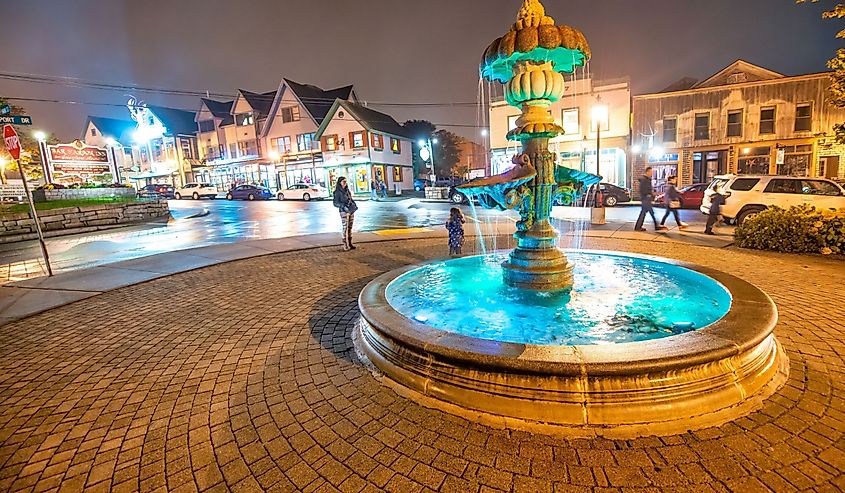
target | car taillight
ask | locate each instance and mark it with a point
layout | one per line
(314, 190)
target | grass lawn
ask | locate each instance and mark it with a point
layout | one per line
(58, 204)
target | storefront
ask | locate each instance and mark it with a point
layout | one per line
(663, 166)
(707, 164)
(357, 177)
(754, 161)
(227, 176)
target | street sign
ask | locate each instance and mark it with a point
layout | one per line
(5, 109)
(16, 120)
(13, 145)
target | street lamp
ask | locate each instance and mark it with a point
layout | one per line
(427, 154)
(112, 144)
(600, 117)
(41, 137)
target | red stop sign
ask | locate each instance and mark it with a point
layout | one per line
(13, 145)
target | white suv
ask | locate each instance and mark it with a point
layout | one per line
(747, 195)
(196, 191)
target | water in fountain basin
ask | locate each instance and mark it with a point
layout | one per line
(616, 299)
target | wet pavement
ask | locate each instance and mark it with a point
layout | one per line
(213, 222)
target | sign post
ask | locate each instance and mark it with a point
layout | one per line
(13, 145)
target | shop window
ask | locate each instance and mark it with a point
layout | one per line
(571, 124)
(735, 123)
(804, 117)
(282, 144)
(702, 126)
(357, 139)
(670, 129)
(767, 120)
(331, 142)
(244, 119)
(377, 141)
(290, 114)
(796, 160)
(396, 146)
(304, 142)
(206, 125)
(754, 161)
(397, 174)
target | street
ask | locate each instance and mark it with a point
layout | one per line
(210, 222)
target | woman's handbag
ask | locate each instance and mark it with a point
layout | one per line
(675, 204)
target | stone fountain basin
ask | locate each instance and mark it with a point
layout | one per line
(663, 386)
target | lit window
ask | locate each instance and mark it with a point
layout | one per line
(670, 129)
(331, 142)
(282, 145)
(735, 123)
(396, 147)
(804, 117)
(767, 121)
(377, 141)
(571, 125)
(304, 142)
(702, 126)
(357, 139)
(244, 119)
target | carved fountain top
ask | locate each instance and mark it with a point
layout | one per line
(534, 38)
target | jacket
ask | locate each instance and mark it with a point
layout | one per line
(343, 200)
(645, 187)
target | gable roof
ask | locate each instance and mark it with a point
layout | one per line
(177, 122)
(372, 120)
(752, 73)
(111, 127)
(259, 102)
(317, 101)
(681, 85)
(219, 109)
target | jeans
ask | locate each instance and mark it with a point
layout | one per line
(669, 210)
(712, 219)
(346, 219)
(373, 194)
(646, 208)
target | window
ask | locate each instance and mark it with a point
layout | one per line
(744, 184)
(767, 121)
(357, 139)
(782, 186)
(206, 125)
(396, 146)
(819, 187)
(377, 141)
(397, 174)
(735, 123)
(282, 144)
(702, 126)
(331, 142)
(244, 119)
(804, 117)
(304, 142)
(670, 129)
(290, 114)
(571, 124)
(210, 152)
(512, 122)
(93, 132)
(795, 160)
(243, 150)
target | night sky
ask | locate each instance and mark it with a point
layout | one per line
(396, 51)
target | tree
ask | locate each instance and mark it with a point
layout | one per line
(30, 151)
(419, 130)
(447, 152)
(836, 95)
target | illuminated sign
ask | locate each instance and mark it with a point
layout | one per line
(78, 159)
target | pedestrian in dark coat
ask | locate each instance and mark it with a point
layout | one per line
(716, 202)
(347, 207)
(455, 227)
(672, 199)
(646, 196)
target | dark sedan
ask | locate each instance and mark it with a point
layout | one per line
(249, 192)
(611, 195)
(156, 190)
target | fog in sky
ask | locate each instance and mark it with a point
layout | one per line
(393, 51)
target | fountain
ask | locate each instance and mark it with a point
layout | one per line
(582, 342)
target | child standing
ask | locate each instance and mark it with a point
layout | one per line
(455, 226)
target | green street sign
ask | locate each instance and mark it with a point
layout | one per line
(16, 120)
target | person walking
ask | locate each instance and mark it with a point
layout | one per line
(382, 186)
(672, 199)
(646, 196)
(455, 227)
(347, 206)
(716, 202)
(374, 189)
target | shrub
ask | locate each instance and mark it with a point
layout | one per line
(799, 229)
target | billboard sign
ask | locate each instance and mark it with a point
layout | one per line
(78, 159)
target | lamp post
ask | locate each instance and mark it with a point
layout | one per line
(41, 137)
(427, 154)
(600, 116)
(111, 144)
(275, 157)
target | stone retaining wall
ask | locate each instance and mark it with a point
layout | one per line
(82, 193)
(69, 220)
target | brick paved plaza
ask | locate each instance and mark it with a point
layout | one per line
(231, 378)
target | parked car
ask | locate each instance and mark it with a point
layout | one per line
(610, 193)
(303, 191)
(162, 190)
(748, 195)
(249, 192)
(420, 184)
(691, 196)
(196, 191)
(458, 197)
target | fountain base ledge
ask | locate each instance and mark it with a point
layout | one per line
(664, 386)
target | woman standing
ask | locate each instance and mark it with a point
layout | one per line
(347, 206)
(672, 198)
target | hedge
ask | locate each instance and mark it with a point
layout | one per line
(799, 229)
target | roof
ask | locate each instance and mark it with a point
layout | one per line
(260, 102)
(750, 73)
(218, 109)
(681, 85)
(372, 120)
(177, 122)
(227, 120)
(317, 101)
(111, 127)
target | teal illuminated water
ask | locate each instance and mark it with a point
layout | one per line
(615, 299)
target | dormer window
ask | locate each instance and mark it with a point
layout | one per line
(244, 119)
(290, 114)
(737, 78)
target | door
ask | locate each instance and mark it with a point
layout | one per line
(829, 166)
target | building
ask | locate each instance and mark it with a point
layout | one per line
(211, 136)
(577, 147)
(743, 119)
(475, 159)
(117, 135)
(364, 145)
(289, 136)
